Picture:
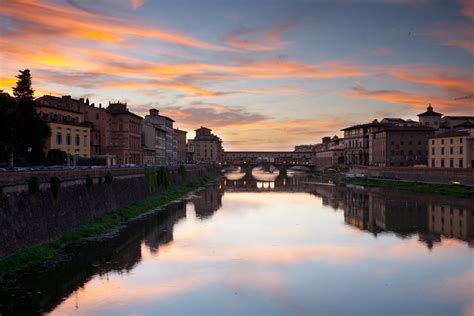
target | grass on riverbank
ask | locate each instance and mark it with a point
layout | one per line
(444, 189)
(97, 226)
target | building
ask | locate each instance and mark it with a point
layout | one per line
(190, 153)
(100, 120)
(155, 138)
(452, 149)
(166, 124)
(125, 134)
(358, 142)
(430, 118)
(69, 132)
(207, 146)
(182, 149)
(401, 146)
(331, 153)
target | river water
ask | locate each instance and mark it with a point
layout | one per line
(268, 245)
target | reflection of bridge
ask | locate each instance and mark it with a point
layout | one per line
(277, 158)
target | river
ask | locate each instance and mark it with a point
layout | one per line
(268, 245)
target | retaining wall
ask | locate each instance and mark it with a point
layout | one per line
(431, 175)
(29, 219)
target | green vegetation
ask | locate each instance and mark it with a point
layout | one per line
(444, 189)
(88, 183)
(151, 180)
(33, 185)
(97, 226)
(163, 177)
(108, 177)
(182, 171)
(55, 183)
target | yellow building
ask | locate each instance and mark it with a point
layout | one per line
(454, 149)
(69, 133)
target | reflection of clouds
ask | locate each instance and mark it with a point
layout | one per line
(269, 283)
(458, 287)
(264, 254)
(100, 294)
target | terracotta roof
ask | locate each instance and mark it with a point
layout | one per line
(365, 125)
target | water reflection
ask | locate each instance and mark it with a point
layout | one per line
(278, 246)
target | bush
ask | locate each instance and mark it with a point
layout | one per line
(55, 183)
(163, 177)
(33, 185)
(151, 178)
(100, 180)
(88, 183)
(182, 171)
(108, 177)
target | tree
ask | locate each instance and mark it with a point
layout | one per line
(9, 116)
(56, 157)
(23, 91)
(33, 130)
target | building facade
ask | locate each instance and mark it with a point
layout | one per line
(453, 149)
(207, 146)
(330, 154)
(182, 148)
(125, 134)
(69, 132)
(401, 146)
(166, 124)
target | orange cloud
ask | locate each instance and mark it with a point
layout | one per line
(405, 98)
(48, 19)
(137, 3)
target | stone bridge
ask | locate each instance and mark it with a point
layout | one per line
(276, 158)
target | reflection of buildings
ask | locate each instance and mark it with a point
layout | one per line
(117, 253)
(404, 213)
(209, 202)
(161, 227)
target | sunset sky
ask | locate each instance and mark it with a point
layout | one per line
(263, 75)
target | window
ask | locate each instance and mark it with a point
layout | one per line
(442, 150)
(461, 163)
(68, 139)
(460, 150)
(460, 140)
(401, 143)
(432, 151)
(451, 141)
(442, 163)
(432, 142)
(451, 150)
(58, 138)
(432, 163)
(78, 140)
(85, 140)
(451, 163)
(442, 142)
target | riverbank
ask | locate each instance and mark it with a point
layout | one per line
(100, 225)
(456, 190)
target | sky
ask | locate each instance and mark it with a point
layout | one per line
(263, 75)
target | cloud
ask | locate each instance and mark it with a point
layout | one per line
(458, 35)
(468, 8)
(406, 98)
(255, 39)
(32, 18)
(214, 114)
(136, 3)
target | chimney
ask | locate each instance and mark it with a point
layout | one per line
(81, 100)
(100, 105)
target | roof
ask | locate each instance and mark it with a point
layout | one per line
(465, 124)
(365, 125)
(58, 103)
(202, 127)
(430, 112)
(406, 129)
(452, 134)
(464, 118)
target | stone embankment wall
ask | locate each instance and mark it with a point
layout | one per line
(430, 175)
(28, 219)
